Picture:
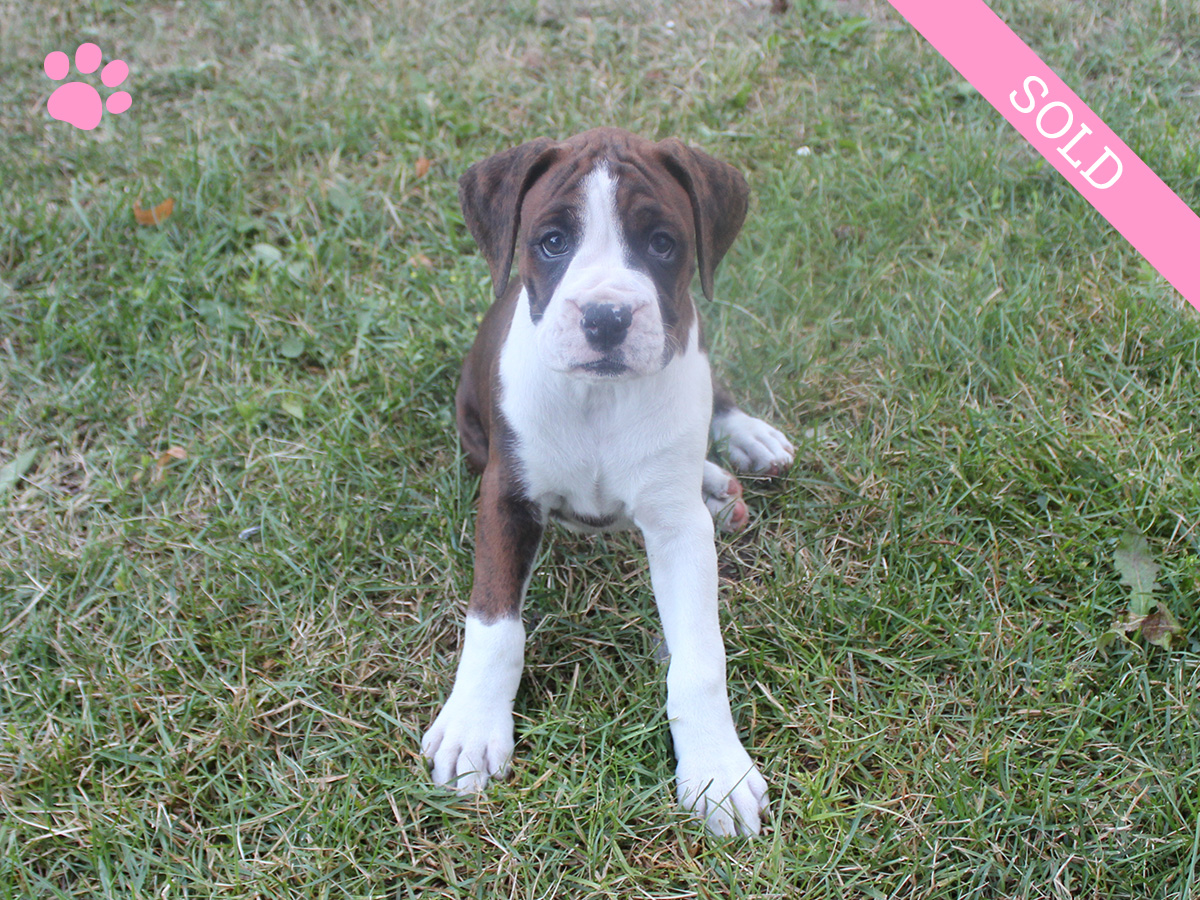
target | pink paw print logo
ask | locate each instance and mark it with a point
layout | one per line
(78, 103)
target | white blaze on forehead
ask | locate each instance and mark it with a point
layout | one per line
(602, 241)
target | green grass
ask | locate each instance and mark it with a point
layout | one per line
(987, 387)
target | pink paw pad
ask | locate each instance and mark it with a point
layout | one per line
(723, 497)
(78, 103)
(737, 514)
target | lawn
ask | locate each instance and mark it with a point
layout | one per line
(236, 528)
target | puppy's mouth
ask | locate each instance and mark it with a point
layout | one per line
(605, 367)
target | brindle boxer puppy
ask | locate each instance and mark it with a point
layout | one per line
(587, 398)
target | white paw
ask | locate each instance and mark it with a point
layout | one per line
(468, 744)
(750, 444)
(723, 497)
(723, 787)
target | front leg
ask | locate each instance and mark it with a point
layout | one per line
(471, 740)
(716, 777)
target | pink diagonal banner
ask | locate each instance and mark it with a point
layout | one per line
(1063, 129)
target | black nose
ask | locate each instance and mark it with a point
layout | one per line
(604, 326)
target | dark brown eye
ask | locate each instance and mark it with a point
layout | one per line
(662, 245)
(554, 243)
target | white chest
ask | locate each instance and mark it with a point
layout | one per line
(590, 450)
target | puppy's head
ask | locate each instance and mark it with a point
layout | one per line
(607, 230)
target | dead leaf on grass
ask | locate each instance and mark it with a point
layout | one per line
(155, 216)
(165, 460)
(1160, 627)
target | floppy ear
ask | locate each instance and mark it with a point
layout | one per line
(490, 193)
(719, 196)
